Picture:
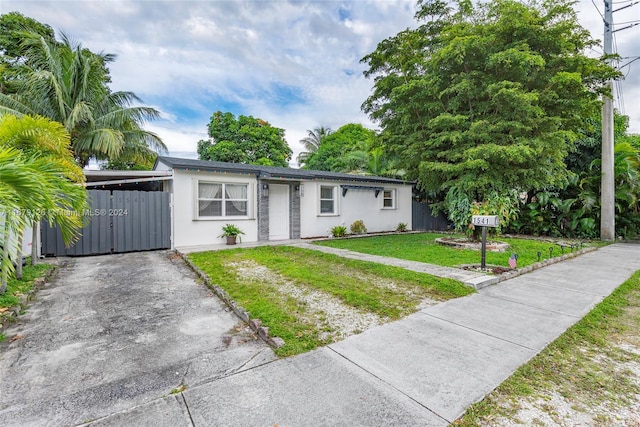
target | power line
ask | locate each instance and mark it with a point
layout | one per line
(628, 22)
(617, 94)
(596, 6)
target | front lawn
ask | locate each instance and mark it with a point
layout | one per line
(590, 375)
(422, 247)
(310, 299)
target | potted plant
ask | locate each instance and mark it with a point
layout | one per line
(231, 232)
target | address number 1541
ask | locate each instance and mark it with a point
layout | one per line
(485, 220)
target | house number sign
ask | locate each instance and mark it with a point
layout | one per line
(485, 220)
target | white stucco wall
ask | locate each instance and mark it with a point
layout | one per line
(188, 230)
(355, 205)
(27, 241)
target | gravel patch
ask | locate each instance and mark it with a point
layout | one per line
(549, 408)
(555, 410)
(332, 317)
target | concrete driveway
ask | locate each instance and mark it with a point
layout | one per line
(112, 333)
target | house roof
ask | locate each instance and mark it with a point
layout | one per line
(117, 178)
(267, 172)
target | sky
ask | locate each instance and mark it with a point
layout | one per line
(295, 64)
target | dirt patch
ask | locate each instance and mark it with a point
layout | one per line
(464, 243)
(550, 408)
(334, 319)
(564, 405)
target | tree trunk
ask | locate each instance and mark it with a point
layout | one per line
(4, 269)
(19, 255)
(34, 242)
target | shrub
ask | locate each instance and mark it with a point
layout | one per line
(358, 227)
(402, 227)
(339, 231)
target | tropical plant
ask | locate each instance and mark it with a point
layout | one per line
(230, 230)
(574, 209)
(244, 140)
(38, 179)
(339, 231)
(312, 142)
(68, 84)
(402, 227)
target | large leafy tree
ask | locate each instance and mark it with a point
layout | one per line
(311, 142)
(334, 154)
(38, 179)
(353, 149)
(13, 26)
(244, 139)
(69, 84)
(485, 98)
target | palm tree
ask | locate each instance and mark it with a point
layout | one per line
(38, 179)
(68, 84)
(312, 142)
(373, 162)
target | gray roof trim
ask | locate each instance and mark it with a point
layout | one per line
(271, 172)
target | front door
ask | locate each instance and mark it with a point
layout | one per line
(278, 212)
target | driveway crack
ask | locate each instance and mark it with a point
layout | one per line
(186, 405)
(240, 368)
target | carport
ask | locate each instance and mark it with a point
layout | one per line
(129, 212)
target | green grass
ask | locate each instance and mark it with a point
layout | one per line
(355, 283)
(16, 288)
(422, 247)
(574, 366)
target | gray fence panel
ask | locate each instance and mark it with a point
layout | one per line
(160, 213)
(126, 221)
(165, 217)
(423, 220)
(96, 234)
(52, 243)
(121, 219)
(140, 221)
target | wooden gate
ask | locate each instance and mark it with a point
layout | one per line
(118, 221)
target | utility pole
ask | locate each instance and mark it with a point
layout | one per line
(607, 189)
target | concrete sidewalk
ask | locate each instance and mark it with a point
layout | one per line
(423, 370)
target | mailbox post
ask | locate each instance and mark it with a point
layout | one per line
(485, 221)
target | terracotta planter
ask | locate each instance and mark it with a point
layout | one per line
(231, 240)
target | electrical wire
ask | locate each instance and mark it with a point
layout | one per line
(596, 6)
(628, 22)
(618, 97)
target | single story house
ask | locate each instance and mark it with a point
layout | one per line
(276, 203)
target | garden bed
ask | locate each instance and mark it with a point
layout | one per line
(466, 243)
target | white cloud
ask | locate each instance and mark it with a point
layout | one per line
(292, 63)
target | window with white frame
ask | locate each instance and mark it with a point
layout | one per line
(328, 200)
(388, 199)
(222, 199)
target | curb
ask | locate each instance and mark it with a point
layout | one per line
(15, 310)
(254, 323)
(492, 280)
